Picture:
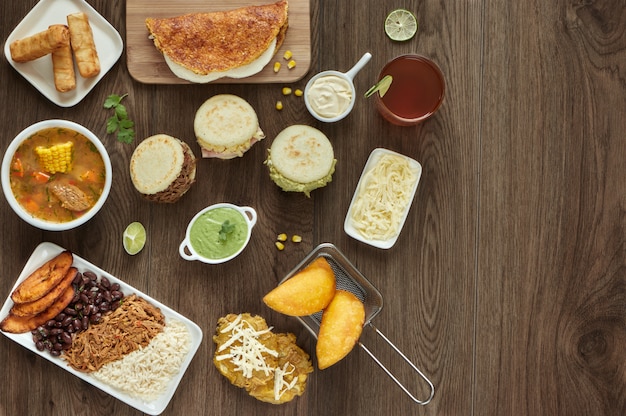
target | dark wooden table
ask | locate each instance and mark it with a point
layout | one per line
(507, 285)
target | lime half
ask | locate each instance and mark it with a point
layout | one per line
(381, 86)
(134, 238)
(400, 25)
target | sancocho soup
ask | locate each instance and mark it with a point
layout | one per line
(57, 174)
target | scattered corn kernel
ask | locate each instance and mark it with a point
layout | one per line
(286, 91)
(57, 158)
(291, 64)
(280, 246)
(298, 92)
(276, 66)
(296, 238)
(287, 55)
(282, 237)
(279, 105)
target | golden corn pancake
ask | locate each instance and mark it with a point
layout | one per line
(206, 43)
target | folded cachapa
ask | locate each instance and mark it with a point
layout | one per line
(202, 47)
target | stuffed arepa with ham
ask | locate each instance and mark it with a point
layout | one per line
(226, 126)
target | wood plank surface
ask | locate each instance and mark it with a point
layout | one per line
(507, 285)
(551, 320)
(146, 63)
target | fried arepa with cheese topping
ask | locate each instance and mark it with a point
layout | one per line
(271, 367)
(219, 41)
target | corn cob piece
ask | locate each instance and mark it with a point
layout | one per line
(57, 158)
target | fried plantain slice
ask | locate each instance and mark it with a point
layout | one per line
(18, 324)
(42, 280)
(37, 306)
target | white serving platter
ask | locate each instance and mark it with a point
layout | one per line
(371, 162)
(46, 251)
(39, 72)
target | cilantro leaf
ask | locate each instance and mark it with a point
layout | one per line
(119, 122)
(227, 229)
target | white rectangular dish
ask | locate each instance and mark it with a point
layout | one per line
(46, 251)
(39, 72)
(350, 227)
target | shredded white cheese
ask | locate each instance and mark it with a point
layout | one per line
(146, 373)
(246, 353)
(382, 198)
(280, 385)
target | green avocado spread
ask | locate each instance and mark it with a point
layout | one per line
(218, 233)
(289, 185)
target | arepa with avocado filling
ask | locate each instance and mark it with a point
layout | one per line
(301, 159)
(162, 168)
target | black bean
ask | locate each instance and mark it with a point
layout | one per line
(91, 275)
(66, 338)
(85, 322)
(55, 331)
(71, 311)
(77, 324)
(115, 286)
(55, 353)
(68, 321)
(78, 278)
(39, 345)
(105, 282)
(116, 294)
(84, 298)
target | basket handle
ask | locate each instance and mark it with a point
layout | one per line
(390, 374)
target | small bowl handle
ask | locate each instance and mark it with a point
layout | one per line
(251, 213)
(359, 65)
(183, 253)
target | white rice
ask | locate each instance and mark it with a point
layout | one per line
(145, 373)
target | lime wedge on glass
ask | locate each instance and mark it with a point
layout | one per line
(400, 25)
(134, 238)
(381, 86)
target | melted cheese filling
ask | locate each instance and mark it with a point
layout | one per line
(243, 71)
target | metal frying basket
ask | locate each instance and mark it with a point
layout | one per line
(350, 279)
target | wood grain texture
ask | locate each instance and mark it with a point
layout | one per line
(507, 285)
(146, 63)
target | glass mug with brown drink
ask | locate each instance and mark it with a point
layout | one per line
(416, 90)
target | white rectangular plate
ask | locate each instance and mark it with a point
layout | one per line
(40, 73)
(46, 251)
(371, 162)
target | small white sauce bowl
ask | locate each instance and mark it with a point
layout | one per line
(187, 251)
(348, 77)
(6, 175)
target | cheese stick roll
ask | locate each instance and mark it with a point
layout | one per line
(63, 66)
(39, 44)
(81, 39)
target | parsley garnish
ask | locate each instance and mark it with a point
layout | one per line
(227, 229)
(119, 122)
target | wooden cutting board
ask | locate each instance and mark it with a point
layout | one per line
(146, 64)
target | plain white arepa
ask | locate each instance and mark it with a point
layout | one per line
(226, 126)
(301, 159)
(162, 168)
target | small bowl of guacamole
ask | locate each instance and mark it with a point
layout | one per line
(218, 233)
